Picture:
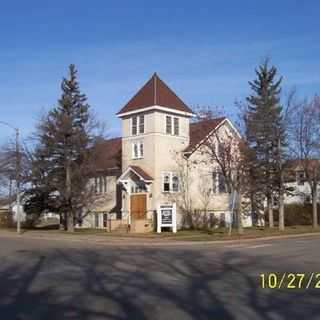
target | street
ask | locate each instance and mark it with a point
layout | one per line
(46, 279)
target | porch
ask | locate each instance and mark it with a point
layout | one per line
(137, 207)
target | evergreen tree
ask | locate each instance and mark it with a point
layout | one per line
(64, 158)
(264, 131)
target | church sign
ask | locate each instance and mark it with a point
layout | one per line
(166, 217)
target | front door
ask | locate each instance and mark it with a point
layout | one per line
(138, 206)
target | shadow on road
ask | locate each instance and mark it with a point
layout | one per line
(145, 283)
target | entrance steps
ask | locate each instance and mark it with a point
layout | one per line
(122, 228)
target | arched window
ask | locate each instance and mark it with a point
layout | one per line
(175, 183)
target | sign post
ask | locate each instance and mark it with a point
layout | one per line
(167, 217)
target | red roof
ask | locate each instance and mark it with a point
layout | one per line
(109, 156)
(141, 173)
(155, 93)
(199, 130)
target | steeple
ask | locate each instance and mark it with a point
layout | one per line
(154, 93)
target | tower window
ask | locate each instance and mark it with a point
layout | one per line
(176, 126)
(141, 124)
(168, 125)
(134, 126)
(137, 150)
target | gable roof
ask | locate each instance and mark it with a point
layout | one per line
(291, 167)
(145, 176)
(199, 131)
(155, 93)
(109, 155)
(138, 171)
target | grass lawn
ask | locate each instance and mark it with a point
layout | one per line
(197, 235)
(187, 235)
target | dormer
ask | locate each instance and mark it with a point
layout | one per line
(154, 109)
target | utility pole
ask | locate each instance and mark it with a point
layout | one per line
(18, 180)
(281, 189)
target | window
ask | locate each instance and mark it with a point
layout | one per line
(218, 183)
(141, 150)
(175, 183)
(214, 182)
(172, 125)
(141, 124)
(137, 125)
(96, 190)
(100, 184)
(221, 151)
(134, 126)
(105, 184)
(222, 183)
(137, 150)
(166, 182)
(168, 125)
(96, 220)
(300, 178)
(170, 182)
(176, 126)
(138, 187)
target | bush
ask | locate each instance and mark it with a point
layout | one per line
(199, 220)
(295, 214)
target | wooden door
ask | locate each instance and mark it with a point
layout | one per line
(138, 206)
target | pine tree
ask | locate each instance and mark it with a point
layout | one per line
(65, 152)
(264, 131)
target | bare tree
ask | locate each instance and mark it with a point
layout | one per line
(8, 167)
(304, 144)
(225, 150)
(184, 198)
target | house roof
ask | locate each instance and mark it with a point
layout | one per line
(138, 171)
(145, 176)
(109, 154)
(155, 93)
(298, 165)
(199, 131)
(6, 201)
(293, 166)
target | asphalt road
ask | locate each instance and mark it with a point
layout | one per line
(47, 279)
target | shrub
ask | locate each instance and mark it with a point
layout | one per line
(295, 214)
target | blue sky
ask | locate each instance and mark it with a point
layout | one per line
(205, 50)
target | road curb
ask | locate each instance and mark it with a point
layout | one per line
(149, 242)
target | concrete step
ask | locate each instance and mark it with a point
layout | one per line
(123, 228)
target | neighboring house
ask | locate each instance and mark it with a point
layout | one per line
(7, 205)
(156, 136)
(298, 188)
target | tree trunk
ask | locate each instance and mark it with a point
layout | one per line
(281, 202)
(281, 211)
(270, 212)
(69, 214)
(70, 222)
(239, 215)
(63, 224)
(231, 213)
(314, 206)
